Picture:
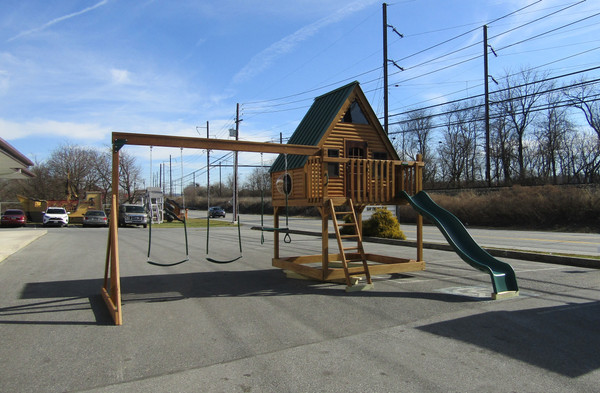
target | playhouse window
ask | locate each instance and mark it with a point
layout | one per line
(356, 149)
(355, 115)
(333, 168)
(284, 184)
(380, 155)
(356, 152)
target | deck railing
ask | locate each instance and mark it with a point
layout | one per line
(316, 182)
(366, 181)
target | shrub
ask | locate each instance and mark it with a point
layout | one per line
(381, 224)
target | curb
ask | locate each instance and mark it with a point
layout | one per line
(509, 254)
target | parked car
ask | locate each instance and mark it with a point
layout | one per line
(216, 211)
(55, 216)
(133, 214)
(14, 218)
(95, 218)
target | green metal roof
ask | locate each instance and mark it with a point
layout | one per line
(313, 126)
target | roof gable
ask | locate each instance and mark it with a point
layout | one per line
(314, 125)
(321, 118)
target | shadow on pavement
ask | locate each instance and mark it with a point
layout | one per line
(561, 339)
(72, 295)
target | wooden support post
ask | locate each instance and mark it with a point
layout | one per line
(418, 187)
(276, 232)
(324, 177)
(324, 210)
(111, 289)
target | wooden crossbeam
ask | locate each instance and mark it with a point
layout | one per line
(125, 138)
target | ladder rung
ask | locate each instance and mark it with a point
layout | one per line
(343, 212)
(356, 270)
(348, 236)
(346, 224)
(351, 248)
(354, 260)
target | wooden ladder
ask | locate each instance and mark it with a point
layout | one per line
(358, 249)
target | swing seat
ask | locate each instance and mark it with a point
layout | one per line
(167, 264)
(286, 239)
(187, 258)
(224, 261)
(268, 229)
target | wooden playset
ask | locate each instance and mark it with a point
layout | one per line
(356, 166)
(338, 160)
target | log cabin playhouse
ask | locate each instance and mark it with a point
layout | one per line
(356, 166)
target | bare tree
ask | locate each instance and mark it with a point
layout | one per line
(102, 170)
(502, 148)
(517, 99)
(459, 152)
(585, 96)
(582, 157)
(129, 175)
(43, 185)
(551, 132)
(450, 154)
(258, 180)
(416, 130)
(72, 166)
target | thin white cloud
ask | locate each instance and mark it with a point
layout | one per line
(57, 20)
(42, 128)
(265, 58)
(120, 76)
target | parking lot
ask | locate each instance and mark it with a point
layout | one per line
(246, 327)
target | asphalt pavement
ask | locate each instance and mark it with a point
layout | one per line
(246, 327)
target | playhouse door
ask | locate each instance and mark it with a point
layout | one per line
(355, 182)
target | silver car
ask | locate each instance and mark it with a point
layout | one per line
(95, 218)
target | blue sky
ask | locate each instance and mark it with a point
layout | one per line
(73, 71)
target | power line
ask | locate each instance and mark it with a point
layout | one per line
(249, 104)
(560, 88)
(276, 106)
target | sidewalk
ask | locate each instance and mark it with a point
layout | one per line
(15, 239)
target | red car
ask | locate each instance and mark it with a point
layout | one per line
(14, 218)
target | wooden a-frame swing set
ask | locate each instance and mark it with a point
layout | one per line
(111, 290)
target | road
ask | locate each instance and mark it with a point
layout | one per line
(552, 242)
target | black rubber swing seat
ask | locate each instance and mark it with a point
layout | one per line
(222, 262)
(167, 264)
(267, 229)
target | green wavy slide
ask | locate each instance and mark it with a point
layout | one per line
(502, 274)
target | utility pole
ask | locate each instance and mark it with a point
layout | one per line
(488, 177)
(385, 71)
(170, 178)
(207, 180)
(235, 165)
